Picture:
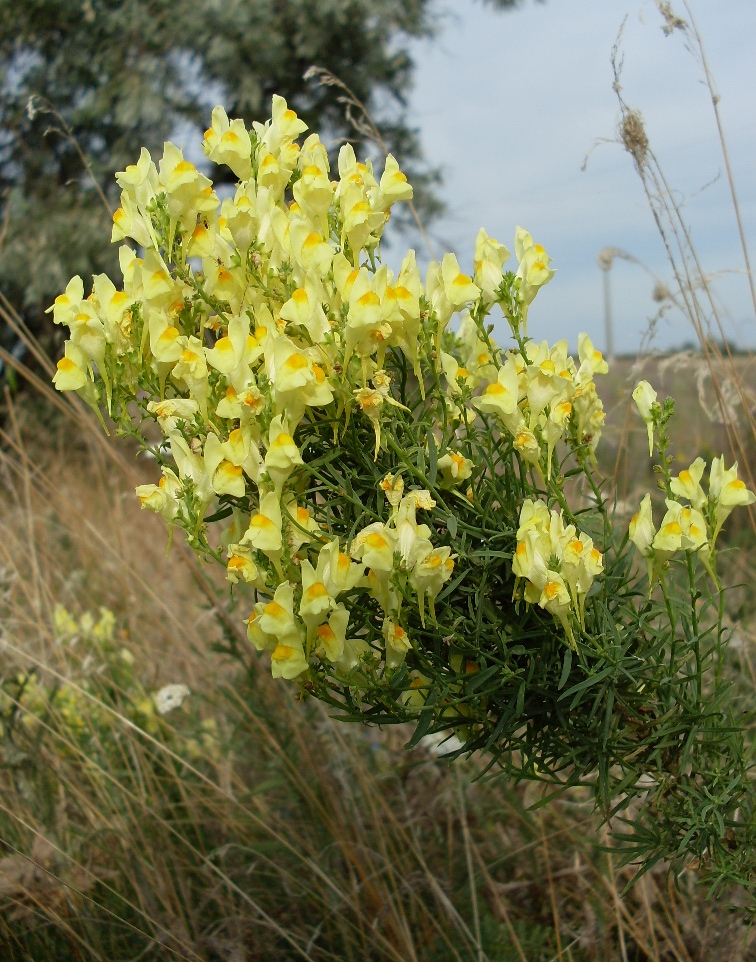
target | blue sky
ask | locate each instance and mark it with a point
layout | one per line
(509, 105)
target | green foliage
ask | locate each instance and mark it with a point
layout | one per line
(117, 77)
(515, 618)
(639, 711)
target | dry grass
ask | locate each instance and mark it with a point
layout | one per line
(245, 825)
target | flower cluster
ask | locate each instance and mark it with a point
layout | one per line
(80, 702)
(694, 526)
(538, 395)
(557, 562)
(318, 624)
(245, 320)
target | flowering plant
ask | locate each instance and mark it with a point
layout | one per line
(411, 516)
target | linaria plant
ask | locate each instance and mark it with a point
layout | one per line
(410, 517)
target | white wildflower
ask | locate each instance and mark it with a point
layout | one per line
(170, 697)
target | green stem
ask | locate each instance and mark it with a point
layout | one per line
(694, 595)
(720, 629)
(672, 623)
(600, 503)
(413, 469)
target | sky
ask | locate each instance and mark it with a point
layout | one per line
(510, 104)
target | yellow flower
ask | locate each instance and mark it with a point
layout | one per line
(303, 529)
(129, 221)
(555, 598)
(188, 192)
(298, 381)
(241, 566)
(264, 531)
(139, 181)
(313, 190)
(527, 446)
(309, 248)
(305, 308)
(227, 142)
(317, 600)
(288, 660)
(591, 361)
(285, 125)
(642, 531)
(331, 635)
(191, 466)
(397, 643)
(489, 258)
(458, 287)
(374, 547)
(393, 487)
(370, 402)
(166, 341)
(694, 528)
(340, 573)
(277, 616)
(163, 497)
(393, 184)
(431, 572)
(530, 557)
(501, 397)
(228, 351)
(71, 373)
(645, 398)
(672, 535)
(225, 476)
(533, 270)
(726, 491)
(68, 301)
(454, 468)
(688, 484)
(282, 455)
(581, 564)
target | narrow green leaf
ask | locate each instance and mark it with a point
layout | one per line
(432, 459)
(566, 666)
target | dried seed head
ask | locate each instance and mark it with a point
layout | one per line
(671, 21)
(633, 136)
(661, 293)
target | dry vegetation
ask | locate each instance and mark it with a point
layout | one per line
(245, 825)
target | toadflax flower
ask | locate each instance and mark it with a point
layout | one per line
(726, 491)
(645, 398)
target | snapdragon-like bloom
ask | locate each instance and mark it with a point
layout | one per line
(533, 269)
(688, 484)
(264, 531)
(454, 468)
(374, 546)
(726, 492)
(165, 497)
(490, 256)
(228, 142)
(241, 566)
(642, 533)
(430, 573)
(501, 396)
(645, 398)
(558, 564)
